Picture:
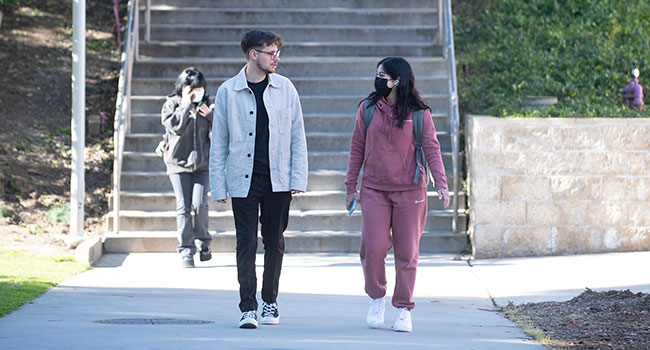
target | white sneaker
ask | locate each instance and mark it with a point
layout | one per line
(270, 314)
(248, 319)
(375, 316)
(403, 320)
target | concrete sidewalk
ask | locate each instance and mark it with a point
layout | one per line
(322, 303)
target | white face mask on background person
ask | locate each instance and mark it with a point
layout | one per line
(198, 96)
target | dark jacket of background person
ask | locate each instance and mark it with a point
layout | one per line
(185, 132)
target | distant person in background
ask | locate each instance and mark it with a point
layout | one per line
(633, 92)
(394, 185)
(259, 158)
(187, 118)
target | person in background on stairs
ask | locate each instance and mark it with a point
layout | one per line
(259, 158)
(393, 188)
(187, 118)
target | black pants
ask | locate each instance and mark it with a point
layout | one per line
(274, 207)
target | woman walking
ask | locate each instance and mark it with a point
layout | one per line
(187, 118)
(393, 190)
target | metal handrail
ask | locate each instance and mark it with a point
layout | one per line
(454, 118)
(123, 106)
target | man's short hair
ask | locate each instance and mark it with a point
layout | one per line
(257, 38)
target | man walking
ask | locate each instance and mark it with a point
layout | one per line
(258, 156)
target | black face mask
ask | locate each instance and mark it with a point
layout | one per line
(381, 86)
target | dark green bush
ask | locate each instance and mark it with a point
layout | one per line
(581, 51)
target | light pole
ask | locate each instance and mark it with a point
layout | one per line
(77, 190)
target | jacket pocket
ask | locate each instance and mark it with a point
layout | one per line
(284, 121)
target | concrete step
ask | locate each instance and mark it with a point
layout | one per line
(320, 122)
(309, 103)
(299, 220)
(331, 160)
(361, 66)
(189, 15)
(222, 49)
(428, 85)
(316, 141)
(152, 181)
(311, 200)
(296, 32)
(272, 5)
(295, 242)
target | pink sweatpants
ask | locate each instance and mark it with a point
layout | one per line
(405, 212)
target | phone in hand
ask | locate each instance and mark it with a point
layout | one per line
(352, 207)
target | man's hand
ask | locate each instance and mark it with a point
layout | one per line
(349, 198)
(186, 95)
(443, 194)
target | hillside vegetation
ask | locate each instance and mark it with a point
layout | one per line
(580, 51)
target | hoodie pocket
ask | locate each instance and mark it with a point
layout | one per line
(385, 167)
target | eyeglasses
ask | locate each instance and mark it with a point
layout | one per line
(273, 54)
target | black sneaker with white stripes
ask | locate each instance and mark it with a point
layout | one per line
(270, 314)
(248, 319)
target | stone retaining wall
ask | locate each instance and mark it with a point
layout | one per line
(542, 186)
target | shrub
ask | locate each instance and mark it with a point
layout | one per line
(59, 214)
(581, 51)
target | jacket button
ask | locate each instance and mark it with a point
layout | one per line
(249, 155)
(250, 92)
(246, 176)
(251, 112)
(250, 134)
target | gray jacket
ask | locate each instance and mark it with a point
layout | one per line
(233, 137)
(186, 136)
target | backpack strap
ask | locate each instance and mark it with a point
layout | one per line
(419, 154)
(368, 111)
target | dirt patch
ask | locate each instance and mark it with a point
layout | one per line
(35, 115)
(612, 320)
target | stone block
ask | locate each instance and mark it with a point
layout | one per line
(492, 163)
(639, 213)
(486, 139)
(572, 188)
(526, 139)
(602, 163)
(487, 239)
(633, 238)
(576, 138)
(526, 240)
(525, 188)
(611, 213)
(620, 188)
(499, 212)
(627, 138)
(485, 187)
(639, 163)
(576, 239)
(555, 213)
(551, 163)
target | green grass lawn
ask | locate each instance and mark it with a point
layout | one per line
(25, 276)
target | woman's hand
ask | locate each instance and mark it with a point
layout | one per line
(204, 110)
(186, 96)
(349, 198)
(443, 194)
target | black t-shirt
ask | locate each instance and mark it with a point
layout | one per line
(261, 157)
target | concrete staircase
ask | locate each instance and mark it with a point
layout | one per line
(330, 53)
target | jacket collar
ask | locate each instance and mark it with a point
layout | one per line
(242, 84)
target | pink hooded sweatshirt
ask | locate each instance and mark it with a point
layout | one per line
(388, 152)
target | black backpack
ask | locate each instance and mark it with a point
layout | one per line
(368, 111)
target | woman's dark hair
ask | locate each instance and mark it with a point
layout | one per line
(407, 96)
(191, 77)
(257, 38)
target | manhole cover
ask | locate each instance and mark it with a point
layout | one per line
(151, 321)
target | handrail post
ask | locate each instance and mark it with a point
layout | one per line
(448, 51)
(147, 19)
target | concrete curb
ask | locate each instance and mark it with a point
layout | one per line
(90, 250)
